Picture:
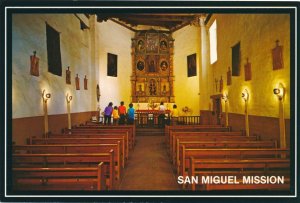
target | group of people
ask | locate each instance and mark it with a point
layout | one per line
(120, 114)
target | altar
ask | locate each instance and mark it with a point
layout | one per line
(148, 115)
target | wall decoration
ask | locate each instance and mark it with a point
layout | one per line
(140, 65)
(216, 82)
(140, 45)
(192, 65)
(236, 59)
(229, 76)
(85, 82)
(152, 87)
(164, 65)
(163, 45)
(112, 61)
(53, 51)
(221, 85)
(77, 82)
(34, 64)
(277, 56)
(152, 42)
(247, 67)
(68, 76)
(98, 93)
(152, 67)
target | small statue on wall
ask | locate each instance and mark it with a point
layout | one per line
(85, 82)
(247, 67)
(98, 92)
(229, 76)
(221, 84)
(277, 56)
(68, 76)
(34, 64)
(77, 82)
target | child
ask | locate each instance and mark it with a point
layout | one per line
(131, 114)
(174, 115)
(115, 115)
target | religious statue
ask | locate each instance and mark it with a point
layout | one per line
(141, 45)
(221, 84)
(152, 66)
(68, 76)
(229, 76)
(140, 65)
(85, 83)
(98, 93)
(34, 64)
(163, 45)
(77, 82)
(277, 56)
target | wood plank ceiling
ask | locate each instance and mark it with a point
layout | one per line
(168, 21)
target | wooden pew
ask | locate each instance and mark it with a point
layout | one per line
(220, 144)
(63, 178)
(96, 133)
(238, 169)
(74, 148)
(82, 139)
(233, 153)
(96, 127)
(68, 160)
(194, 128)
(201, 136)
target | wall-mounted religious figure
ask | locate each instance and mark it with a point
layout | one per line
(152, 63)
(164, 65)
(34, 64)
(152, 43)
(112, 61)
(85, 82)
(221, 85)
(192, 65)
(98, 93)
(140, 88)
(163, 45)
(77, 82)
(229, 76)
(277, 56)
(68, 76)
(165, 90)
(247, 67)
(140, 45)
(140, 65)
(152, 87)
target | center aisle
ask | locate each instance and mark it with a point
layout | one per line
(149, 167)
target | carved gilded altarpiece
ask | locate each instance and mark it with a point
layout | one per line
(152, 67)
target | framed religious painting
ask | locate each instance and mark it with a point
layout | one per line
(112, 61)
(277, 56)
(191, 65)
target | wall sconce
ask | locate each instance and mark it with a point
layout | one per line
(69, 98)
(245, 95)
(279, 91)
(225, 97)
(45, 96)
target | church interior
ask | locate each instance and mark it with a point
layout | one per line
(227, 73)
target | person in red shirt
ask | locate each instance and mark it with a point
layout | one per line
(122, 113)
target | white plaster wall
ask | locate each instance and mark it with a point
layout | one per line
(28, 35)
(186, 89)
(114, 39)
(257, 34)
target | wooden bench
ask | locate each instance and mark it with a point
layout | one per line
(83, 139)
(213, 136)
(242, 153)
(68, 160)
(99, 133)
(220, 144)
(96, 127)
(63, 178)
(194, 128)
(238, 169)
(74, 148)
